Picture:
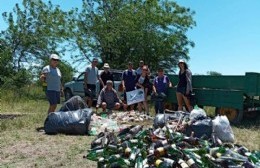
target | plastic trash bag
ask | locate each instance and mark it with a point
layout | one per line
(222, 129)
(200, 128)
(197, 113)
(161, 119)
(74, 103)
(69, 122)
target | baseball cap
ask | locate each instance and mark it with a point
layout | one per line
(54, 56)
(109, 82)
(181, 61)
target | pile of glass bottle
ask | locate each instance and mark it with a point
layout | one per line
(140, 147)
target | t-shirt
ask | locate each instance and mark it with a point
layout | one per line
(108, 96)
(139, 71)
(129, 77)
(92, 75)
(144, 81)
(161, 83)
(106, 76)
(53, 78)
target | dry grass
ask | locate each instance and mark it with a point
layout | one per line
(22, 146)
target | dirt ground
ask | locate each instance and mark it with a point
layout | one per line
(31, 148)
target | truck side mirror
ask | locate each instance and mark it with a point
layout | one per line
(74, 78)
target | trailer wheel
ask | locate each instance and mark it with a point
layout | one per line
(233, 115)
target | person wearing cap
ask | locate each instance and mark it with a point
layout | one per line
(160, 86)
(90, 79)
(184, 86)
(140, 68)
(128, 80)
(105, 75)
(108, 98)
(52, 76)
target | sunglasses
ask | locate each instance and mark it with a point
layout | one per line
(55, 60)
(145, 69)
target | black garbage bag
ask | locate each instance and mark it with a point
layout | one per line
(74, 103)
(201, 127)
(69, 122)
(160, 119)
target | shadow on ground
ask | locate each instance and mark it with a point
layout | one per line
(10, 116)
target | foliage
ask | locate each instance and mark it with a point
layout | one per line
(213, 73)
(116, 31)
(5, 61)
(33, 32)
(122, 31)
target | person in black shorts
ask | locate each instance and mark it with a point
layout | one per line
(184, 86)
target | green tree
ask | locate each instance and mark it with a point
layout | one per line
(6, 67)
(34, 31)
(121, 31)
(213, 73)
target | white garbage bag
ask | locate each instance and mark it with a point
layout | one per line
(197, 113)
(222, 129)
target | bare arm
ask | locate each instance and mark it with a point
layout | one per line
(100, 97)
(43, 76)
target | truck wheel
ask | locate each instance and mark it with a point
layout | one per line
(233, 115)
(67, 94)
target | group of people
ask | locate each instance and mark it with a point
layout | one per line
(131, 80)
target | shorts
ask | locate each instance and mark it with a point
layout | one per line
(53, 97)
(181, 90)
(111, 106)
(91, 91)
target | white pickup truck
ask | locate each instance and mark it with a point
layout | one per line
(75, 87)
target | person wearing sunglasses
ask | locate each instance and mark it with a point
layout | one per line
(52, 76)
(142, 81)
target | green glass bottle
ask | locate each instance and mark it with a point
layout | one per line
(182, 163)
(139, 161)
(252, 157)
(165, 163)
(94, 155)
(141, 134)
(44, 86)
(190, 161)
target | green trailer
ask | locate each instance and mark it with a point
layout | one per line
(233, 96)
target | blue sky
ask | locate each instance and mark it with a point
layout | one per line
(227, 35)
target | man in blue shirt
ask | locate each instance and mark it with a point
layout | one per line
(128, 80)
(160, 86)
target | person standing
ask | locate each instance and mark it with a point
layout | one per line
(160, 86)
(128, 81)
(52, 76)
(142, 81)
(90, 80)
(140, 68)
(184, 86)
(105, 76)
